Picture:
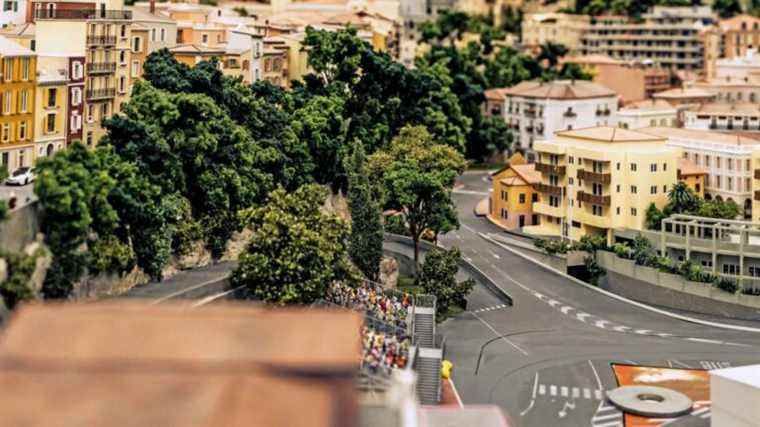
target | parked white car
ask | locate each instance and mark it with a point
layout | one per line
(21, 176)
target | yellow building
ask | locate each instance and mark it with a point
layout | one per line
(50, 106)
(692, 175)
(17, 92)
(597, 179)
(513, 194)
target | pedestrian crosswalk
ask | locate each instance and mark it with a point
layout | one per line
(607, 416)
(552, 390)
(495, 307)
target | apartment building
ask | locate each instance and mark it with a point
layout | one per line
(728, 39)
(13, 12)
(563, 28)
(513, 195)
(536, 109)
(150, 32)
(727, 159)
(598, 179)
(724, 116)
(667, 36)
(729, 89)
(17, 92)
(650, 112)
(631, 80)
(51, 105)
(100, 33)
(275, 63)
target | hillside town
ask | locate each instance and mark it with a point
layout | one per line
(383, 213)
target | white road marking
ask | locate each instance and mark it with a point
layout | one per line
(600, 323)
(606, 416)
(598, 394)
(186, 290)
(706, 341)
(476, 193)
(616, 423)
(541, 389)
(488, 325)
(621, 328)
(582, 316)
(566, 309)
(701, 411)
(683, 365)
(586, 393)
(214, 297)
(643, 331)
(553, 302)
(553, 390)
(563, 391)
(494, 255)
(576, 393)
(533, 397)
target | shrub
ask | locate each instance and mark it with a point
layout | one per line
(726, 284)
(643, 252)
(595, 271)
(552, 247)
(622, 250)
(665, 265)
(591, 243)
(395, 225)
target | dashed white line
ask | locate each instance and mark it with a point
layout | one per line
(566, 309)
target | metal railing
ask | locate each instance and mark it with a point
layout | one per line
(601, 178)
(93, 94)
(549, 168)
(93, 40)
(594, 198)
(101, 67)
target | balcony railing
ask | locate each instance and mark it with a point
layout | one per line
(95, 94)
(593, 199)
(554, 190)
(83, 14)
(101, 67)
(757, 173)
(550, 169)
(101, 40)
(601, 178)
(570, 114)
(605, 112)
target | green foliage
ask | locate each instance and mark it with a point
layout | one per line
(718, 209)
(654, 217)
(511, 19)
(643, 252)
(727, 8)
(295, 251)
(591, 243)
(595, 271)
(632, 8)
(395, 224)
(552, 247)
(682, 199)
(622, 251)
(417, 176)
(366, 240)
(20, 268)
(727, 285)
(109, 255)
(438, 277)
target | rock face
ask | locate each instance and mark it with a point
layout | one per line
(389, 272)
(338, 205)
(41, 264)
(107, 284)
(3, 270)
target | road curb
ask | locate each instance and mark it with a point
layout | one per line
(621, 298)
(471, 268)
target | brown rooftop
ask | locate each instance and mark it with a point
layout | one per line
(688, 168)
(136, 365)
(560, 89)
(733, 138)
(609, 134)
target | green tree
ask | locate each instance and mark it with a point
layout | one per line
(682, 198)
(15, 288)
(438, 277)
(295, 251)
(3, 204)
(417, 176)
(366, 240)
(718, 209)
(551, 53)
(654, 217)
(727, 8)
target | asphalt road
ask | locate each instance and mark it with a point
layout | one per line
(546, 360)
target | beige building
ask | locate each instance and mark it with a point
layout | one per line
(563, 28)
(650, 112)
(51, 106)
(666, 36)
(598, 179)
(730, 38)
(724, 116)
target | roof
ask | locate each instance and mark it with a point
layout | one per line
(683, 93)
(140, 14)
(648, 105)
(496, 94)
(730, 109)
(609, 134)
(688, 168)
(20, 30)
(11, 48)
(197, 49)
(527, 172)
(222, 365)
(560, 89)
(702, 135)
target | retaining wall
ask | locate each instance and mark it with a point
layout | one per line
(20, 228)
(654, 287)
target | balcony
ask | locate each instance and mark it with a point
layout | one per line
(101, 67)
(550, 169)
(593, 199)
(98, 94)
(82, 14)
(545, 209)
(757, 196)
(554, 190)
(605, 112)
(93, 40)
(757, 173)
(570, 114)
(601, 178)
(588, 218)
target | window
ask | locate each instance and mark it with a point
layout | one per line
(25, 68)
(730, 184)
(633, 167)
(76, 96)
(123, 31)
(617, 210)
(77, 70)
(718, 162)
(571, 159)
(617, 188)
(6, 136)
(89, 138)
(50, 123)
(570, 181)
(8, 98)
(730, 164)
(122, 57)
(664, 188)
(8, 69)
(653, 167)
(24, 101)
(754, 271)
(618, 165)
(707, 160)
(633, 211)
(596, 210)
(522, 197)
(633, 189)
(163, 34)
(52, 94)
(204, 38)
(698, 188)
(732, 269)
(717, 181)
(22, 131)
(153, 34)
(135, 68)
(136, 44)
(664, 167)
(122, 84)
(653, 189)
(534, 197)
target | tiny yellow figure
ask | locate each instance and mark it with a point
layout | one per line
(446, 368)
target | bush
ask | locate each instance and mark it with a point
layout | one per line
(395, 224)
(665, 265)
(726, 284)
(552, 247)
(622, 250)
(16, 286)
(643, 252)
(591, 243)
(595, 271)
(438, 277)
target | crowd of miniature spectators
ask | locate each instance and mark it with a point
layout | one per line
(383, 352)
(390, 309)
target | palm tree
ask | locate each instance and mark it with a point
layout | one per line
(682, 198)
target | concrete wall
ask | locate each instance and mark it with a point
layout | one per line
(651, 286)
(19, 229)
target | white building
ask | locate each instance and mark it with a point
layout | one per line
(13, 12)
(726, 157)
(740, 67)
(535, 109)
(723, 116)
(650, 112)
(734, 393)
(252, 44)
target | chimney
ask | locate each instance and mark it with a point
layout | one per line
(152, 7)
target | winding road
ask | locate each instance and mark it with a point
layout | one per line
(546, 360)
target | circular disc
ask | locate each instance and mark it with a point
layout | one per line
(650, 401)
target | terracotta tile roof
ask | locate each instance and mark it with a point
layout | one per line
(593, 59)
(703, 135)
(730, 109)
(496, 94)
(683, 93)
(198, 49)
(528, 173)
(137, 365)
(648, 105)
(560, 89)
(689, 168)
(609, 134)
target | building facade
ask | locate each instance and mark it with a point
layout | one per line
(17, 95)
(726, 158)
(651, 112)
(730, 38)
(595, 180)
(667, 36)
(563, 28)
(535, 109)
(513, 195)
(723, 116)
(51, 106)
